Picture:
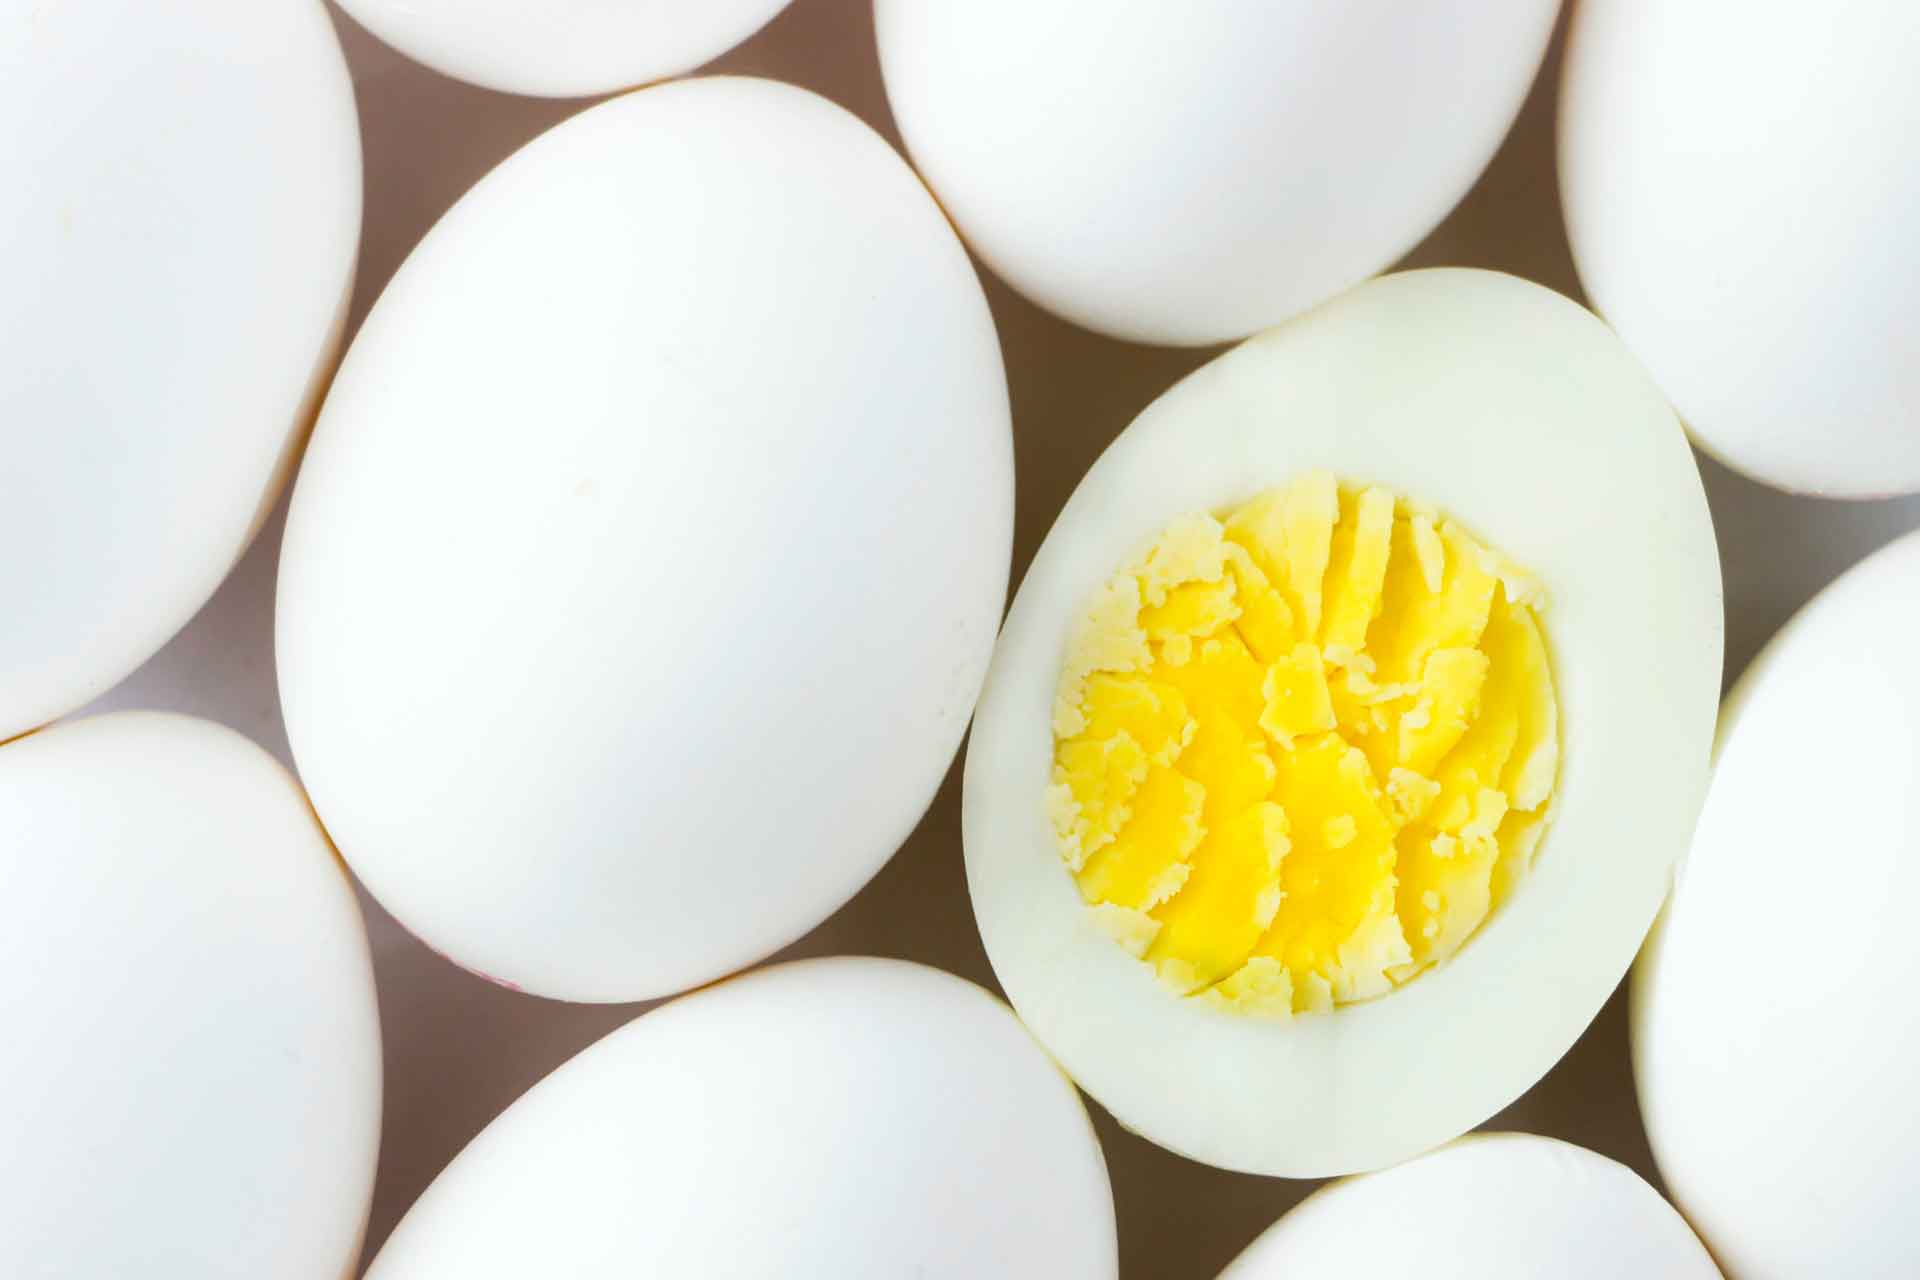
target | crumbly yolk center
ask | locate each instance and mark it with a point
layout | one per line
(1304, 749)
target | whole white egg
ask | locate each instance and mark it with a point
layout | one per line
(845, 1117)
(1495, 1206)
(1512, 410)
(1188, 174)
(1741, 196)
(179, 217)
(567, 49)
(646, 562)
(1773, 1052)
(192, 1047)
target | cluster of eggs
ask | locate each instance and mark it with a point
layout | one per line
(1342, 744)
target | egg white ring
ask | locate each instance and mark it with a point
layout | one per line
(1518, 413)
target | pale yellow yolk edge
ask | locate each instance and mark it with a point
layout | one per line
(1302, 750)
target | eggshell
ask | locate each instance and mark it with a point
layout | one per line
(562, 48)
(191, 1052)
(1741, 196)
(1187, 174)
(1497, 1206)
(1517, 413)
(180, 206)
(843, 1117)
(1774, 1048)
(645, 567)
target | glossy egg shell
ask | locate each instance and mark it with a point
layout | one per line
(180, 209)
(844, 1117)
(192, 1043)
(645, 565)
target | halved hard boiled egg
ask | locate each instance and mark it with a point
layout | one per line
(1496, 1206)
(1343, 735)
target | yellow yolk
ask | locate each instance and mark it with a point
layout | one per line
(1302, 751)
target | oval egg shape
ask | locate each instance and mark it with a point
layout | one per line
(1495, 1206)
(1168, 175)
(1516, 412)
(644, 569)
(565, 50)
(843, 1117)
(181, 214)
(192, 1044)
(1811, 836)
(1746, 223)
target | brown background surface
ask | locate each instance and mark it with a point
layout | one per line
(458, 1049)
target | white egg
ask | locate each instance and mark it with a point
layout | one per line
(1773, 1053)
(571, 48)
(1498, 1206)
(1517, 413)
(192, 1048)
(645, 565)
(180, 206)
(1741, 198)
(845, 1117)
(1174, 174)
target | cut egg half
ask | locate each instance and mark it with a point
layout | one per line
(1320, 940)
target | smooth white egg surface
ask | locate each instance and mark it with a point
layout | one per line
(561, 50)
(1188, 174)
(1778, 1094)
(1498, 1206)
(1518, 414)
(645, 565)
(192, 1048)
(845, 1117)
(180, 210)
(1741, 199)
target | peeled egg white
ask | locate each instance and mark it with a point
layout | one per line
(1773, 1053)
(846, 1117)
(1741, 196)
(1188, 174)
(1517, 413)
(563, 49)
(1497, 1206)
(644, 568)
(180, 210)
(192, 1048)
